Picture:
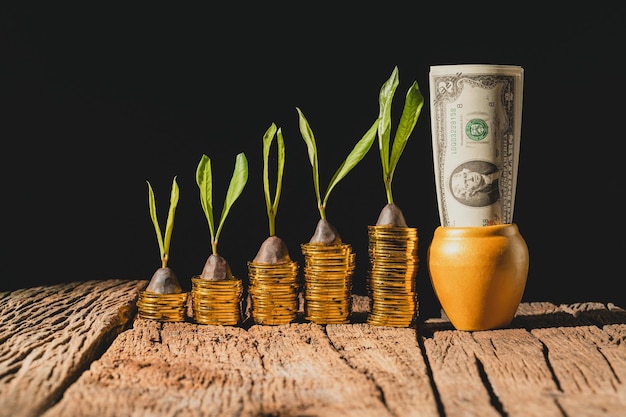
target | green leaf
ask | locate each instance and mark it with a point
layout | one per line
(280, 142)
(174, 195)
(204, 179)
(272, 206)
(413, 104)
(309, 139)
(237, 183)
(268, 137)
(385, 100)
(155, 220)
(356, 155)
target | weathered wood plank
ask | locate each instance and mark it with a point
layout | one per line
(589, 368)
(170, 369)
(305, 375)
(49, 335)
(393, 360)
(198, 370)
(515, 371)
(268, 370)
(587, 354)
(567, 360)
(457, 375)
(290, 370)
(548, 363)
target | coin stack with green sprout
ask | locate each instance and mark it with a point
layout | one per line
(329, 262)
(273, 275)
(392, 244)
(163, 299)
(216, 292)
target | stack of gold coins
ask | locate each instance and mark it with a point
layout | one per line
(273, 292)
(216, 302)
(161, 307)
(391, 282)
(328, 274)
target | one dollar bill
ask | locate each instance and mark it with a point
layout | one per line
(476, 116)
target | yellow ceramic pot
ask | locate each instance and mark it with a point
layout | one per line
(478, 274)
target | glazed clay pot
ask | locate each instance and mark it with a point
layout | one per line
(478, 274)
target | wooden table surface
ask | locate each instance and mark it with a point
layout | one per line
(78, 349)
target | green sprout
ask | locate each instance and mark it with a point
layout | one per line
(272, 205)
(354, 157)
(410, 113)
(164, 241)
(273, 250)
(204, 179)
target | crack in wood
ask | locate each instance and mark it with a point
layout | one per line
(429, 371)
(494, 400)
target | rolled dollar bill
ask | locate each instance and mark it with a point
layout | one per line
(476, 116)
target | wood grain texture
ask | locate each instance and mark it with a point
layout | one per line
(185, 369)
(393, 360)
(79, 350)
(548, 363)
(169, 369)
(305, 375)
(49, 335)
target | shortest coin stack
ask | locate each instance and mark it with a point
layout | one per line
(161, 307)
(274, 292)
(328, 274)
(393, 267)
(216, 302)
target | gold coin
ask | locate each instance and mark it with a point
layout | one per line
(161, 307)
(274, 292)
(217, 302)
(327, 283)
(391, 277)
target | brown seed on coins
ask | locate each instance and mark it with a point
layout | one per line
(164, 281)
(216, 268)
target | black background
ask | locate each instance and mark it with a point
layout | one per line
(96, 101)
